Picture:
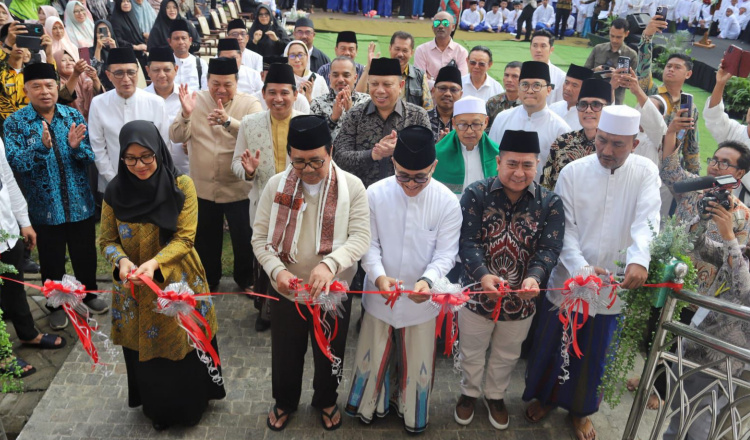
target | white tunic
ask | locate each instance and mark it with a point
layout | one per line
(187, 73)
(108, 113)
(248, 80)
(606, 213)
(473, 170)
(729, 27)
(545, 123)
(494, 20)
(650, 145)
(545, 16)
(486, 91)
(722, 128)
(14, 212)
(469, 17)
(569, 115)
(252, 60)
(412, 237)
(173, 106)
(557, 77)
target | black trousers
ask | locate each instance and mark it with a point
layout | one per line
(80, 240)
(561, 21)
(13, 296)
(289, 337)
(210, 236)
(526, 15)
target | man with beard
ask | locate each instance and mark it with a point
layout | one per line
(342, 95)
(447, 90)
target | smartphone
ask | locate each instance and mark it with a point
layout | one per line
(84, 54)
(312, 77)
(662, 11)
(686, 102)
(103, 32)
(35, 29)
(623, 63)
(34, 44)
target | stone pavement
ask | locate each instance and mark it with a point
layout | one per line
(81, 404)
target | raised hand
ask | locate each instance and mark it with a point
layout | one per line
(722, 76)
(257, 35)
(272, 35)
(80, 67)
(250, 161)
(219, 116)
(76, 135)
(46, 136)
(187, 100)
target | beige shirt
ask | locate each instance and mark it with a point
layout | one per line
(211, 148)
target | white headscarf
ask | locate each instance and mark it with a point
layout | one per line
(81, 34)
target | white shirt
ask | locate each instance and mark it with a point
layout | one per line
(108, 113)
(13, 207)
(486, 91)
(248, 80)
(729, 27)
(743, 19)
(700, 12)
(606, 213)
(557, 77)
(545, 123)
(543, 15)
(650, 144)
(494, 20)
(512, 17)
(187, 73)
(722, 128)
(412, 237)
(570, 116)
(469, 17)
(301, 104)
(173, 106)
(506, 13)
(473, 170)
(252, 60)
(682, 10)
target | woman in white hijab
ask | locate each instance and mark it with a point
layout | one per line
(145, 15)
(298, 56)
(78, 24)
(60, 41)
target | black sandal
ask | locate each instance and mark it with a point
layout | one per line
(47, 342)
(324, 415)
(18, 364)
(278, 416)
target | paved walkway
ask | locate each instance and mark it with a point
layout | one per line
(80, 404)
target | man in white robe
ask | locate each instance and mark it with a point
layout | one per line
(237, 29)
(542, 46)
(192, 70)
(470, 18)
(566, 108)
(544, 17)
(729, 27)
(248, 80)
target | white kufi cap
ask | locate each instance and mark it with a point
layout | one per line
(469, 104)
(620, 120)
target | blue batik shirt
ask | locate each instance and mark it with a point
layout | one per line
(54, 180)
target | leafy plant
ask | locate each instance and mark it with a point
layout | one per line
(679, 42)
(672, 242)
(9, 377)
(737, 96)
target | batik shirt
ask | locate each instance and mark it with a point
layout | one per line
(496, 104)
(323, 106)
(12, 96)
(566, 149)
(514, 241)
(437, 125)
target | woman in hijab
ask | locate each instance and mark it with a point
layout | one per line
(79, 26)
(43, 12)
(127, 33)
(98, 9)
(267, 37)
(103, 42)
(298, 56)
(26, 9)
(169, 11)
(54, 27)
(79, 82)
(145, 15)
(148, 225)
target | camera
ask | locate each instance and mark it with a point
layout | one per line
(717, 189)
(720, 196)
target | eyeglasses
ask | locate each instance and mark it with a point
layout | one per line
(596, 106)
(475, 126)
(315, 164)
(535, 87)
(264, 14)
(446, 89)
(477, 63)
(239, 34)
(444, 23)
(298, 56)
(304, 33)
(417, 179)
(146, 159)
(78, 11)
(723, 165)
(120, 74)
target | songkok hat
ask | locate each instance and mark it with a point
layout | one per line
(308, 132)
(449, 73)
(121, 55)
(620, 120)
(596, 88)
(237, 23)
(469, 104)
(385, 67)
(162, 54)
(346, 37)
(519, 141)
(304, 22)
(39, 71)
(535, 70)
(578, 72)
(272, 59)
(222, 66)
(179, 25)
(280, 74)
(228, 44)
(471, 2)
(415, 148)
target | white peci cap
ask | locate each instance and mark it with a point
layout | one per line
(469, 104)
(620, 120)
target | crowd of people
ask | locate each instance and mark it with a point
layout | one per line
(395, 175)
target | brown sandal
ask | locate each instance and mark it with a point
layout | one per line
(537, 404)
(580, 429)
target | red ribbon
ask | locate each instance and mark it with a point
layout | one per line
(323, 341)
(502, 289)
(395, 294)
(80, 325)
(448, 303)
(578, 308)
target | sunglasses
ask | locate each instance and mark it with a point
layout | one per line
(444, 23)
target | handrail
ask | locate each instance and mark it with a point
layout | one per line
(715, 304)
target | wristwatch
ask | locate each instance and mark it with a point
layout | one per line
(227, 122)
(426, 280)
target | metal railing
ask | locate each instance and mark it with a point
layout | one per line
(677, 369)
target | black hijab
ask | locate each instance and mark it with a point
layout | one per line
(125, 25)
(266, 46)
(104, 53)
(155, 200)
(160, 31)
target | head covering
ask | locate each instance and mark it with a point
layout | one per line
(663, 102)
(24, 10)
(308, 132)
(125, 25)
(304, 22)
(156, 200)
(306, 73)
(519, 141)
(596, 88)
(346, 37)
(179, 26)
(228, 44)
(578, 72)
(105, 50)
(10, 17)
(415, 148)
(98, 9)
(268, 60)
(449, 73)
(161, 54)
(63, 44)
(49, 11)
(280, 74)
(144, 15)
(162, 28)
(265, 46)
(535, 70)
(469, 104)
(222, 66)
(39, 71)
(81, 34)
(620, 120)
(385, 67)
(237, 23)
(121, 55)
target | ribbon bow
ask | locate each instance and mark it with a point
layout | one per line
(395, 294)
(503, 289)
(448, 298)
